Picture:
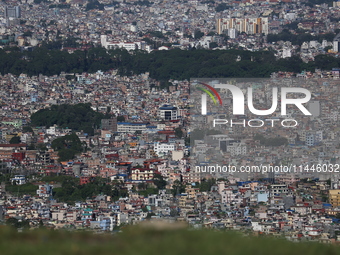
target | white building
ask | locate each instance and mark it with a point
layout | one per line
(232, 33)
(168, 112)
(310, 140)
(51, 130)
(163, 148)
(290, 16)
(237, 149)
(45, 190)
(336, 42)
(177, 155)
(286, 52)
(333, 115)
(277, 189)
(127, 127)
(19, 179)
(137, 45)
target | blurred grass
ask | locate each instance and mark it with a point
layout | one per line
(138, 240)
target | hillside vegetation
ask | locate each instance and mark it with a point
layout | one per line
(76, 117)
(162, 65)
(148, 241)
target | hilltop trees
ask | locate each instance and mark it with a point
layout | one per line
(162, 65)
(15, 140)
(76, 117)
(68, 146)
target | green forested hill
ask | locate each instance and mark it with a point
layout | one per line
(77, 117)
(162, 65)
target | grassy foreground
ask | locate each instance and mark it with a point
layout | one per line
(146, 240)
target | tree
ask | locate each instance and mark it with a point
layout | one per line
(69, 77)
(177, 188)
(327, 48)
(159, 181)
(77, 117)
(17, 224)
(162, 65)
(213, 45)
(121, 118)
(15, 140)
(66, 154)
(94, 4)
(178, 132)
(337, 216)
(206, 185)
(68, 146)
(329, 182)
(174, 212)
(27, 129)
(12, 222)
(41, 224)
(198, 34)
(41, 147)
(149, 215)
(148, 191)
(221, 7)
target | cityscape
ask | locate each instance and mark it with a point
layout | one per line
(122, 113)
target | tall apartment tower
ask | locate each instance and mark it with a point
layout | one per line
(12, 12)
(239, 25)
(336, 43)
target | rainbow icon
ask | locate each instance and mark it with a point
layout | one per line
(213, 95)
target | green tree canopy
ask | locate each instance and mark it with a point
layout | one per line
(15, 140)
(159, 181)
(67, 146)
(76, 117)
(163, 65)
